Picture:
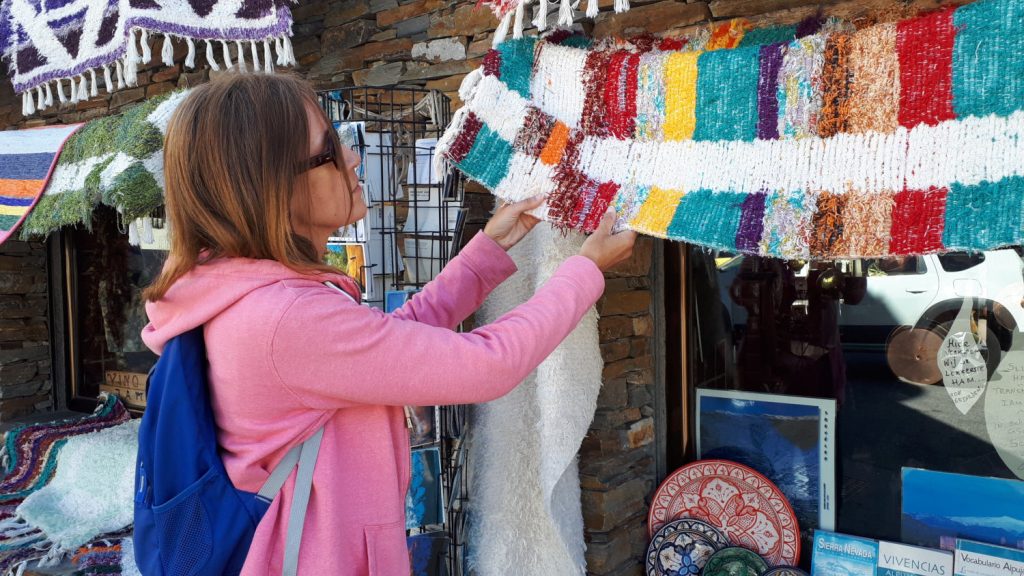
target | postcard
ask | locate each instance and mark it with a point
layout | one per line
(350, 259)
(979, 559)
(428, 553)
(395, 299)
(902, 560)
(424, 425)
(421, 168)
(354, 232)
(424, 258)
(353, 135)
(842, 555)
(381, 180)
(939, 507)
(788, 439)
(424, 503)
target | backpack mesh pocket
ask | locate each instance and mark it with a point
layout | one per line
(185, 537)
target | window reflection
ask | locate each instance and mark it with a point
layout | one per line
(867, 333)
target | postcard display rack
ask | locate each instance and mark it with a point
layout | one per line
(412, 229)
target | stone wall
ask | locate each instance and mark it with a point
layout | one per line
(435, 43)
(25, 385)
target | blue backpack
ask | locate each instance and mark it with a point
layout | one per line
(189, 518)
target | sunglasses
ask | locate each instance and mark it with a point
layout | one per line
(330, 153)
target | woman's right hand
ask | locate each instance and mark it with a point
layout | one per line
(607, 249)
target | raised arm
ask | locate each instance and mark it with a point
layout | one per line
(330, 352)
(481, 266)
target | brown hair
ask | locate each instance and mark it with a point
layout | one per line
(233, 156)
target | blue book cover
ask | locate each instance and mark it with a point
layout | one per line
(842, 555)
(978, 559)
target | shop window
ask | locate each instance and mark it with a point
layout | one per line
(102, 282)
(874, 336)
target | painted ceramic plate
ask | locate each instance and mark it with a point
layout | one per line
(747, 508)
(785, 571)
(682, 547)
(734, 561)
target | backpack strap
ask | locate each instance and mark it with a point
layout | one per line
(305, 455)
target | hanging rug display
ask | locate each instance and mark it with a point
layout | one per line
(61, 51)
(898, 138)
(27, 159)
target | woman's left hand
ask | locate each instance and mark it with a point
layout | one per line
(510, 222)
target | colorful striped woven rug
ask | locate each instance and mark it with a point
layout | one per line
(29, 458)
(898, 138)
(27, 158)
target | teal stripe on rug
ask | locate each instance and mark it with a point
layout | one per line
(517, 64)
(727, 94)
(988, 58)
(772, 35)
(708, 218)
(488, 159)
(984, 216)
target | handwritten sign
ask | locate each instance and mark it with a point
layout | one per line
(130, 386)
(964, 372)
(1004, 407)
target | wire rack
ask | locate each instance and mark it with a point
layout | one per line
(413, 228)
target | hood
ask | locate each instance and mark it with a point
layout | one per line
(209, 289)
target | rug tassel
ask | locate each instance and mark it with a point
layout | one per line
(132, 50)
(190, 58)
(210, 60)
(565, 13)
(279, 49)
(147, 230)
(540, 20)
(289, 52)
(131, 73)
(167, 52)
(40, 98)
(94, 90)
(83, 88)
(147, 52)
(107, 82)
(49, 102)
(53, 556)
(28, 107)
(592, 9)
(133, 233)
(241, 57)
(255, 53)
(620, 6)
(517, 28)
(120, 75)
(228, 65)
(60, 92)
(502, 31)
(268, 59)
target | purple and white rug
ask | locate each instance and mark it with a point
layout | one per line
(63, 50)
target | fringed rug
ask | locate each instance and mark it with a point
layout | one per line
(106, 557)
(117, 160)
(899, 138)
(27, 158)
(29, 459)
(63, 51)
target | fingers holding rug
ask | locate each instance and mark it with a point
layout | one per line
(606, 248)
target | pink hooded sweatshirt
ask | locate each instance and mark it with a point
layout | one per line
(288, 354)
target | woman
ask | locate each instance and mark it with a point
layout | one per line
(256, 182)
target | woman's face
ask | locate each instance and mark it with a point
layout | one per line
(335, 199)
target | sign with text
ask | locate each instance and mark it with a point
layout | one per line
(130, 386)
